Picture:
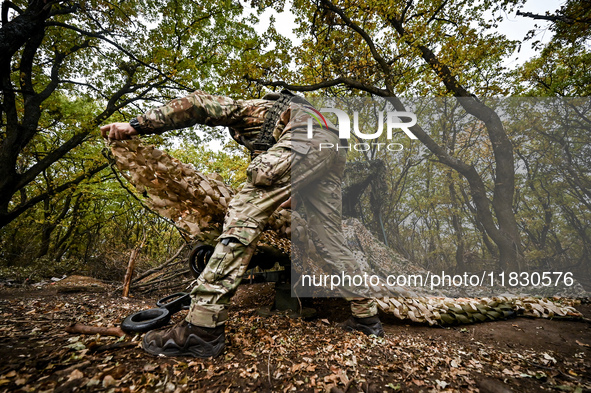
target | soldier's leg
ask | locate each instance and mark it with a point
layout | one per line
(322, 205)
(268, 186)
(322, 202)
(218, 282)
(269, 183)
(363, 307)
(202, 332)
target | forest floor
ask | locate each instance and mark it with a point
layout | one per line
(282, 354)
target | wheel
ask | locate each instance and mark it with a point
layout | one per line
(199, 257)
(146, 320)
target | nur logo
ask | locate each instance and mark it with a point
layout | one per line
(393, 121)
(317, 116)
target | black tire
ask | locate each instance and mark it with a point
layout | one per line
(146, 320)
(198, 258)
(175, 302)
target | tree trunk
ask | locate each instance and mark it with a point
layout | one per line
(457, 226)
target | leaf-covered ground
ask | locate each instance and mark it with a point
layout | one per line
(282, 354)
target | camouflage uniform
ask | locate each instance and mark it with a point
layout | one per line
(294, 162)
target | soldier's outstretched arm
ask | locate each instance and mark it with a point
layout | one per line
(195, 108)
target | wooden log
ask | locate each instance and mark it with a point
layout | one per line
(130, 266)
(79, 328)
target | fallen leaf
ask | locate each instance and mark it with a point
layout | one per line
(76, 374)
(441, 384)
(108, 381)
(549, 358)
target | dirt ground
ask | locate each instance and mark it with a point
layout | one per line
(280, 354)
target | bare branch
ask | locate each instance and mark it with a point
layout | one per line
(65, 10)
(317, 86)
(123, 50)
(437, 11)
(551, 18)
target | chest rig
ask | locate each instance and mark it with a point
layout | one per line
(265, 137)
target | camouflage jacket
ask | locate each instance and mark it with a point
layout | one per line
(244, 118)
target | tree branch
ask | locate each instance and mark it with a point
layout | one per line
(79, 328)
(372, 47)
(442, 70)
(123, 50)
(7, 217)
(551, 18)
(6, 5)
(353, 83)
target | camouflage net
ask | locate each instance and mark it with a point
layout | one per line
(196, 203)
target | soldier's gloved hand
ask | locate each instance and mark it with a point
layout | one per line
(118, 131)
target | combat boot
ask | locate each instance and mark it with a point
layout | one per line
(185, 339)
(369, 325)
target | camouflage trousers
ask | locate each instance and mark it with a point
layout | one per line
(294, 163)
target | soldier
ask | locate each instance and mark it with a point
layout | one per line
(267, 127)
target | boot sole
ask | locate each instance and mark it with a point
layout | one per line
(195, 347)
(368, 331)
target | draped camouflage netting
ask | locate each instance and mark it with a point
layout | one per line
(196, 204)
